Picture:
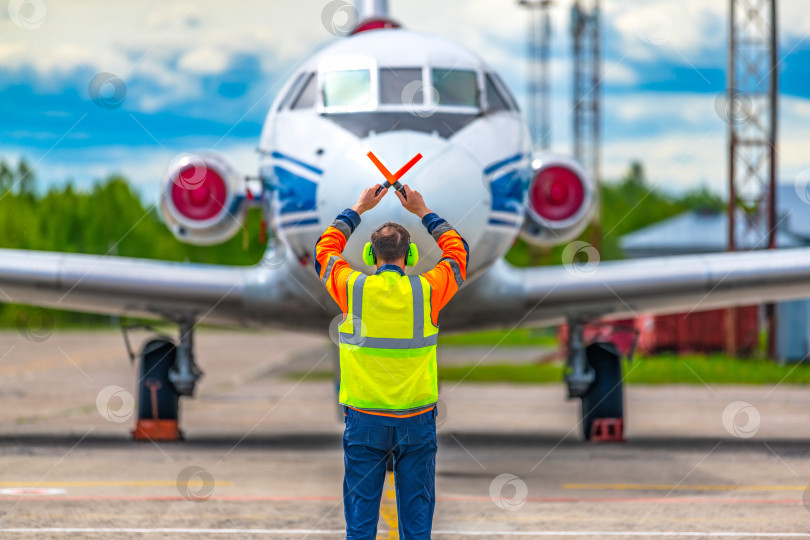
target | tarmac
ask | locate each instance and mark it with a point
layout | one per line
(262, 453)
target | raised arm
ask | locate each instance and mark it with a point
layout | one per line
(449, 274)
(329, 265)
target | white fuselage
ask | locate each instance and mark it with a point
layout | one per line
(397, 93)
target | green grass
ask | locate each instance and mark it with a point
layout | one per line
(513, 373)
(546, 337)
(662, 369)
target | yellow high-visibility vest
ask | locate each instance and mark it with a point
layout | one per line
(388, 343)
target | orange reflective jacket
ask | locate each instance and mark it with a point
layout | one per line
(445, 278)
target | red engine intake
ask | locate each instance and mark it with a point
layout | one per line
(204, 201)
(560, 201)
(199, 192)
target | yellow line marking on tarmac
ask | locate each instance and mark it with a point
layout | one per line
(682, 487)
(388, 508)
(113, 483)
(85, 516)
(175, 532)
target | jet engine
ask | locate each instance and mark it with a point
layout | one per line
(560, 201)
(204, 199)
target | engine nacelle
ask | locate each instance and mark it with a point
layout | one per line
(204, 199)
(560, 201)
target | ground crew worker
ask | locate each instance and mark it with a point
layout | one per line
(388, 385)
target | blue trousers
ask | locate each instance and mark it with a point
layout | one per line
(367, 441)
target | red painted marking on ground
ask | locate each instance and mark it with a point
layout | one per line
(170, 498)
(282, 498)
(656, 500)
(397, 175)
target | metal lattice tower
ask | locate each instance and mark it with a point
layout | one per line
(587, 96)
(539, 46)
(587, 83)
(751, 112)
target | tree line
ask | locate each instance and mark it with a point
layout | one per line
(111, 219)
(626, 205)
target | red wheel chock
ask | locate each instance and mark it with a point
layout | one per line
(156, 430)
(607, 430)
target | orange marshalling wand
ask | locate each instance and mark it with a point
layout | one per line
(393, 179)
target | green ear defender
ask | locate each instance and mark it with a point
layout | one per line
(413, 255)
(410, 259)
(368, 255)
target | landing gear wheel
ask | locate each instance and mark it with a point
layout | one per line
(604, 399)
(158, 400)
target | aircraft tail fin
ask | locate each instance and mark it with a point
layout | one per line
(371, 9)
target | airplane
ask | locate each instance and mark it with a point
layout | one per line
(395, 92)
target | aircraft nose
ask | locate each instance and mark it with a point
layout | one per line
(448, 177)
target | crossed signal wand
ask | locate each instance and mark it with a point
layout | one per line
(393, 179)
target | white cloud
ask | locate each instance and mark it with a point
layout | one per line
(618, 74)
(650, 28)
(672, 161)
(692, 30)
(204, 60)
(663, 109)
(696, 153)
(794, 19)
(172, 44)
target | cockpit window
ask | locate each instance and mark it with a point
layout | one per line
(401, 86)
(351, 88)
(291, 92)
(495, 101)
(456, 87)
(507, 95)
(306, 98)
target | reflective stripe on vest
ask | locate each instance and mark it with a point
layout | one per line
(417, 341)
(381, 368)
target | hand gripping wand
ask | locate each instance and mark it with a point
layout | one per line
(393, 179)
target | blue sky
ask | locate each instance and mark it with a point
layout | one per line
(203, 75)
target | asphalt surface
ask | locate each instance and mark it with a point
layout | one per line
(262, 453)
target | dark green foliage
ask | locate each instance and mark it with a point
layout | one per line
(627, 205)
(109, 219)
(696, 369)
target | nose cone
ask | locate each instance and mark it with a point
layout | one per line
(447, 176)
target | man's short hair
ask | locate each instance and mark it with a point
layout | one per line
(390, 242)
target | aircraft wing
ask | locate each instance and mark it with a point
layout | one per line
(506, 296)
(286, 296)
(215, 294)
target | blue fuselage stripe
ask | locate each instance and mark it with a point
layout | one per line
(295, 193)
(279, 155)
(300, 222)
(498, 164)
(502, 222)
